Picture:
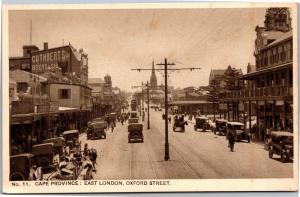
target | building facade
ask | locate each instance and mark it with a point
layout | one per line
(269, 89)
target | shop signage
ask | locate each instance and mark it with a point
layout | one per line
(49, 60)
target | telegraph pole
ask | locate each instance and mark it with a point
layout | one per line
(148, 101)
(165, 69)
(143, 109)
(148, 109)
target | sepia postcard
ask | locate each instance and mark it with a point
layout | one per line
(166, 97)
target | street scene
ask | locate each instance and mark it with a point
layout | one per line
(151, 94)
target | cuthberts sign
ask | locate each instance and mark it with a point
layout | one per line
(46, 60)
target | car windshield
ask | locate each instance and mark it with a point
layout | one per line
(238, 127)
(71, 136)
(287, 139)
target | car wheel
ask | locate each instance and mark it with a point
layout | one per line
(17, 176)
(283, 157)
(271, 153)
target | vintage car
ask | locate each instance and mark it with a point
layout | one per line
(201, 124)
(21, 166)
(111, 117)
(133, 120)
(221, 127)
(99, 119)
(179, 125)
(282, 144)
(72, 138)
(96, 130)
(58, 144)
(135, 132)
(241, 133)
(44, 154)
(70, 167)
(133, 114)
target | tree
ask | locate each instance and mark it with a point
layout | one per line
(213, 94)
(232, 83)
(231, 75)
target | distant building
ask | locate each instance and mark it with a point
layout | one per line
(153, 79)
(23, 62)
(29, 86)
(70, 95)
(219, 76)
(72, 63)
(97, 86)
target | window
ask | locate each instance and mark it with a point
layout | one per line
(25, 66)
(22, 87)
(64, 93)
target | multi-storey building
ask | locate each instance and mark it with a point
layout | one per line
(269, 89)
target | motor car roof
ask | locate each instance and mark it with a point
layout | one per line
(29, 155)
(281, 133)
(70, 132)
(221, 120)
(236, 123)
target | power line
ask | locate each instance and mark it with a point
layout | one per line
(166, 69)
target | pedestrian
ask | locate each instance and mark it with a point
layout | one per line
(231, 139)
(86, 150)
(169, 119)
(112, 127)
(253, 131)
(122, 120)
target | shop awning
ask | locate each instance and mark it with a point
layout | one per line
(266, 70)
(189, 102)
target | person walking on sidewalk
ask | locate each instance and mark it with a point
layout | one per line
(231, 139)
(112, 126)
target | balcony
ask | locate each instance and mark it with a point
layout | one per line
(263, 92)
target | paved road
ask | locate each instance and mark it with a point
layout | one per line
(193, 155)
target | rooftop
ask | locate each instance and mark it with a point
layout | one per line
(283, 37)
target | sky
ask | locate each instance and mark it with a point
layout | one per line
(119, 40)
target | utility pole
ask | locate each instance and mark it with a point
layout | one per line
(143, 118)
(148, 100)
(165, 69)
(148, 109)
(165, 64)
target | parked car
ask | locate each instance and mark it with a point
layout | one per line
(201, 124)
(239, 129)
(72, 138)
(221, 127)
(44, 154)
(112, 117)
(21, 166)
(96, 130)
(135, 132)
(69, 168)
(282, 144)
(58, 144)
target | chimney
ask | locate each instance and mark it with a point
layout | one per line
(45, 45)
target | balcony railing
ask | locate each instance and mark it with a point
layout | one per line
(260, 92)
